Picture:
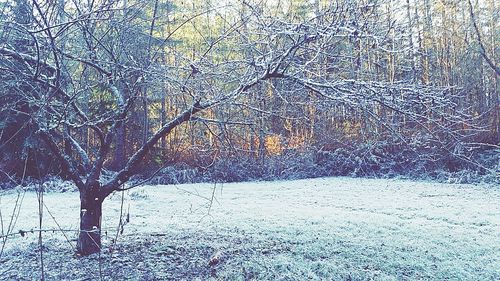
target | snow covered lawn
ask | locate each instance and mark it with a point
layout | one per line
(314, 229)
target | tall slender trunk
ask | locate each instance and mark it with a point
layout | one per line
(121, 139)
(163, 119)
(89, 240)
(145, 124)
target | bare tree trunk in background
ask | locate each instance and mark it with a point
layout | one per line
(482, 50)
(412, 52)
(163, 119)
(492, 64)
(120, 147)
(494, 27)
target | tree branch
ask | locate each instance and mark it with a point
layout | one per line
(482, 51)
(131, 166)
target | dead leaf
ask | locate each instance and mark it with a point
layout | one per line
(216, 258)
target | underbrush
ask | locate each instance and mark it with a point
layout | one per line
(376, 160)
(371, 160)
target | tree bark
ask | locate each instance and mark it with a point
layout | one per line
(121, 139)
(89, 240)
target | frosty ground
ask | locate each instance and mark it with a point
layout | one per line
(314, 229)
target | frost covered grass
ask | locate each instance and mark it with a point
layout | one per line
(315, 229)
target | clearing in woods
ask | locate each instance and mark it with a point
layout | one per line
(314, 229)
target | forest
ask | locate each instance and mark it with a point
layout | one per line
(297, 88)
(109, 95)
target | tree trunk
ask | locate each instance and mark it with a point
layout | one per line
(121, 139)
(89, 240)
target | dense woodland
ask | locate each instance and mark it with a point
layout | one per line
(286, 88)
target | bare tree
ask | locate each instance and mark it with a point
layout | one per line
(54, 106)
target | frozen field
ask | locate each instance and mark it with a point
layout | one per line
(315, 229)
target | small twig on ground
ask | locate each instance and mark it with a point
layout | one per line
(192, 193)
